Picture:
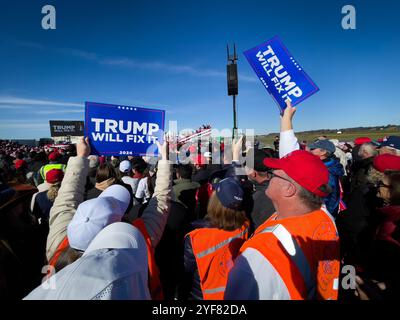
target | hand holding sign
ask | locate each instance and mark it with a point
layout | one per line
(83, 147)
(237, 146)
(163, 149)
(286, 118)
(123, 130)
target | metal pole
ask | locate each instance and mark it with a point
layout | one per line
(234, 117)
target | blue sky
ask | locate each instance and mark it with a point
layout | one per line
(172, 55)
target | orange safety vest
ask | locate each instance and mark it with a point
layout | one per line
(61, 247)
(215, 251)
(304, 250)
(154, 275)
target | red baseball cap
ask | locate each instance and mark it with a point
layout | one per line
(304, 168)
(19, 163)
(361, 140)
(386, 161)
(54, 176)
(54, 156)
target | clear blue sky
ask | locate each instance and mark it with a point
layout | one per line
(172, 55)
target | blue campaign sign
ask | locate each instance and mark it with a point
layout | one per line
(123, 130)
(280, 73)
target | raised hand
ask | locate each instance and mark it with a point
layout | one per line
(287, 117)
(237, 145)
(83, 147)
(163, 149)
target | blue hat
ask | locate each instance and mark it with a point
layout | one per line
(230, 193)
(392, 141)
(323, 144)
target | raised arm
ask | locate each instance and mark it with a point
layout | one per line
(69, 197)
(156, 214)
(287, 140)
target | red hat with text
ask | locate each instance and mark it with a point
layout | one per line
(304, 168)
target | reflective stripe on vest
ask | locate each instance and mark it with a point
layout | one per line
(215, 251)
(296, 254)
(215, 290)
(220, 245)
(46, 168)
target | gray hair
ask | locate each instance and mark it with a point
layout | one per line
(368, 148)
(311, 200)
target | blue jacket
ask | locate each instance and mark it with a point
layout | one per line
(335, 171)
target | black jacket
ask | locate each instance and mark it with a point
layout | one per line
(42, 206)
(191, 288)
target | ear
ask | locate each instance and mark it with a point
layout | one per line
(289, 190)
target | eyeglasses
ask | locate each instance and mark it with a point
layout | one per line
(274, 175)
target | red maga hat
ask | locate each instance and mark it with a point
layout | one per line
(304, 168)
(361, 140)
(386, 161)
(54, 176)
(54, 156)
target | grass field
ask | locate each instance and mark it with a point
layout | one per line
(344, 137)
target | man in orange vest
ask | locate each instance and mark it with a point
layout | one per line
(295, 253)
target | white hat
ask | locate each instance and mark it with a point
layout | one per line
(125, 166)
(114, 267)
(119, 235)
(95, 214)
(207, 154)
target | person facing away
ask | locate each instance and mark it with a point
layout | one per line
(184, 188)
(113, 267)
(44, 200)
(74, 223)
(139, 170)
(54, 163)
(295, 253)
(105, 177)
(212, 247)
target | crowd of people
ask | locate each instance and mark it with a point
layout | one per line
(281, 226)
